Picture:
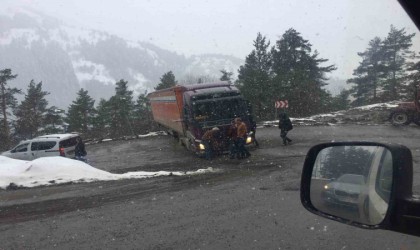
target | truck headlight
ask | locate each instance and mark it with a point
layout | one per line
(201, 146)
(248, 140)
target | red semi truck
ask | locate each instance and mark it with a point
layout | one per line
(187, 112)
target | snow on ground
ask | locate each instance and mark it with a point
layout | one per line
(153, 134)
(371, 114)
(378, 105)
(56, 170)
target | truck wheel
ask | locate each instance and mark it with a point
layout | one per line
(400, 118)
(417, 122)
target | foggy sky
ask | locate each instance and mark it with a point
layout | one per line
(338, 29)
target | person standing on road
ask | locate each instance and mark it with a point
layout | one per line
(209, 139)
(285, 125)
(80, 150)
(241, 138)
(254, 131)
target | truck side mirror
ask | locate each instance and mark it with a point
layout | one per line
(364, 184)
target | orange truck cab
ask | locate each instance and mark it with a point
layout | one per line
(188, 111)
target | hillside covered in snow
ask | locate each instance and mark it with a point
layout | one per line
(66, 58)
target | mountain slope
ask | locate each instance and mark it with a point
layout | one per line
(65, 59)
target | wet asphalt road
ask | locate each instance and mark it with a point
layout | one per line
(253, 204)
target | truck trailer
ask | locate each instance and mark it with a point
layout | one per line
(188, 111)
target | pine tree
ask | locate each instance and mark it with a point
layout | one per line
(166, 81)
(53, 121)
(31, 113)
(254, 79)
(8, 104)
(226, 76)
(339, 160)
(326, 101)
(413, 79)
(81, 112)
(369, 74)
(414, 69)
(102, 120)
(341, 101)
(397, 50)
(142, 114)
(299, 76)
(121, 109)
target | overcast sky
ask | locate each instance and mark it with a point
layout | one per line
(338, 29)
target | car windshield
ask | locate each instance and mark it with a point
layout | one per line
(185, 124)
(219, 109)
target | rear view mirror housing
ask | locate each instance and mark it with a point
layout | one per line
(364, 184)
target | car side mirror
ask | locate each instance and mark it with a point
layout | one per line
(364, 184)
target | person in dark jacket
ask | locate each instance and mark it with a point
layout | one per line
(80, 150)
(254, 131)
(285, 125)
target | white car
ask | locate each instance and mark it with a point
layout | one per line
(43, 146)
(344, 191)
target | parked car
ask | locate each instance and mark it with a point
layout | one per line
(43, 146)
(345, 190)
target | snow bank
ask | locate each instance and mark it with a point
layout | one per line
(11, 166)
(153, 134)
(378, 105)
(56, 170)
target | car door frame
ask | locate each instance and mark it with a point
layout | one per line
(26, 156)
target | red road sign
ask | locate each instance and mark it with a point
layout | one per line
(282, 104)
